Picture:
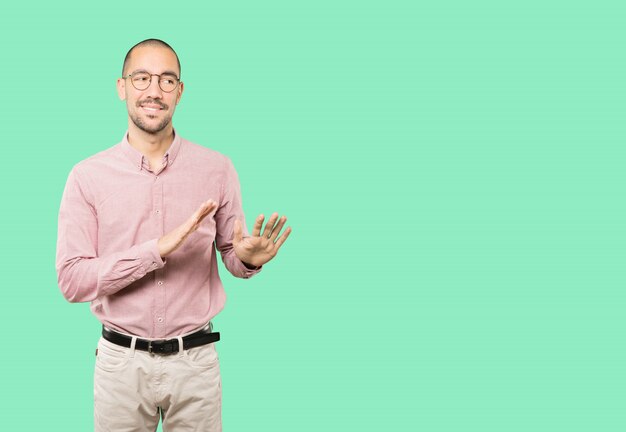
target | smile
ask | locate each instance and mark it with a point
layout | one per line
(151, 109)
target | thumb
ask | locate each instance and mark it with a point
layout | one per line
(237, 232)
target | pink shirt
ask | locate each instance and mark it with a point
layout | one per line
(113, 211)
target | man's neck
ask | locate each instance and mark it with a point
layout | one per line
(150, 145)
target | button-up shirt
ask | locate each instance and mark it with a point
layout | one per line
(113, 211)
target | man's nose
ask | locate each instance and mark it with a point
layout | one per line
(154, 89)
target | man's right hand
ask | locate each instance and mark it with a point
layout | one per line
(172, 240)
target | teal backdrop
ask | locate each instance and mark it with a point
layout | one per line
(453, 173)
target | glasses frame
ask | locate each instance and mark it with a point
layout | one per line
(158, 81)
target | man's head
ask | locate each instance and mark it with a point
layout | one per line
(149, 106)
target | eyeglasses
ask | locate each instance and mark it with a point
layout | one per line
(142, 80)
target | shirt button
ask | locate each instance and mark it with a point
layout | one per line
(160, 319)
(160, 282)
(158, 211)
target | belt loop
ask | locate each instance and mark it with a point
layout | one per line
(180, 346)
(210, 326)
(132, 346)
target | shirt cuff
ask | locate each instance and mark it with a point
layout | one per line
(150, 256)
(246, 272)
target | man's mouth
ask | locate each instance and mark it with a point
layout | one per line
(151, 108)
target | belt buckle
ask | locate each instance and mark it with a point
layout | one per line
(161, 343)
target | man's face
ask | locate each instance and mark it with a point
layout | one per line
(152, 109)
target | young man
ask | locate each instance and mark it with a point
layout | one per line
(137, 225)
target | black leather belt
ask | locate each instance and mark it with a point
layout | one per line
(163, 346)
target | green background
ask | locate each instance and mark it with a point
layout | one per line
(453, 173)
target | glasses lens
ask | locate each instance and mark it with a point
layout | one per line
(141, 80)
(168, 82)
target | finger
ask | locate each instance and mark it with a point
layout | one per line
(258, 223)
(282, 238)
(269, 226)
(237, 234)
(281, 224)
(194, 218)
(202, 211)
(207, 207)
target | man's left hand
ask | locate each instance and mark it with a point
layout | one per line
(259, 248)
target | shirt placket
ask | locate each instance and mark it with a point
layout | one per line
(159, 315)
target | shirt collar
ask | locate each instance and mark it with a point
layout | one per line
(137, 158)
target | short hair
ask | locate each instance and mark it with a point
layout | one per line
(149, 42)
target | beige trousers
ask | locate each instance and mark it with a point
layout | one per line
(133, 389)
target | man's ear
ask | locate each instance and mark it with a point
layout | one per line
(181, 87)
(121, 88)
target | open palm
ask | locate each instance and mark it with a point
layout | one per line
(259, 248)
